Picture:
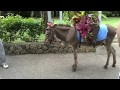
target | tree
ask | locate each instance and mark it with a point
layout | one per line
(43, 14)
(32, 13)
(0, 13)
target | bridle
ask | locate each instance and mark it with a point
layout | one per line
(50, 37)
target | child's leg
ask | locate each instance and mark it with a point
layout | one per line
(95, 33)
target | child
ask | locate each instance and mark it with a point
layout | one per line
(2, 56)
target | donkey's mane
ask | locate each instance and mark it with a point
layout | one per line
(63, 25)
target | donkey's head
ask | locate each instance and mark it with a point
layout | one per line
(49, 34)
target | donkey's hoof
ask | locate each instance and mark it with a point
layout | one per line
(62, 45)
(105, 67)
(74, 68)
(113, 65)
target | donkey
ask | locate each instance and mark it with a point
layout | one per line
(69, 35)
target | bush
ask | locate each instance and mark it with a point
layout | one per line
(17, 27)
(111, 13)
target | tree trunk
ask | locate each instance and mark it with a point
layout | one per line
(52, 14)
(40, 14)
(0, 13)
(32, 13)
(69, 15)
(45, 19)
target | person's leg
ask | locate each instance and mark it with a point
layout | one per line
(2, 55)
(5, 65)
(3, 61)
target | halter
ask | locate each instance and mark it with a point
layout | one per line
(51, 25)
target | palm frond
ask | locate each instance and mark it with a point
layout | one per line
(104, 16)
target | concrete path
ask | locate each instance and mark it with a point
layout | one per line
(59, 66)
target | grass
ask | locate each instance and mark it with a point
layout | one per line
(42, 37)
(111, 20)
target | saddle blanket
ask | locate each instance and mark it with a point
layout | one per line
(102, 34)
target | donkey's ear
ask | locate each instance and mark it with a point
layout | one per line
(54, 25)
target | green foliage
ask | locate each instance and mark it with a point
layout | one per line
(67, 16)
(96, 14)
(111, 13)
(17, 27)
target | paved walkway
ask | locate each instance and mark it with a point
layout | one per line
(58, 66)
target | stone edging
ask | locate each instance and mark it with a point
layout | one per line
(40, 48)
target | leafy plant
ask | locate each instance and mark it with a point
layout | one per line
(69, 15)
(14, 27)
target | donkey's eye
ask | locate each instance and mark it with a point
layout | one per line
(46, 29)
(47, 34)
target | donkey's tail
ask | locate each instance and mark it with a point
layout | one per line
(118, 33)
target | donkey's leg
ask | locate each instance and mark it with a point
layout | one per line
(111, 36)
(75, 59)
(108, 48)
(63, 44)
(114, 57)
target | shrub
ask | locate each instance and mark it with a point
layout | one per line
(17, 27)
(111, 13)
